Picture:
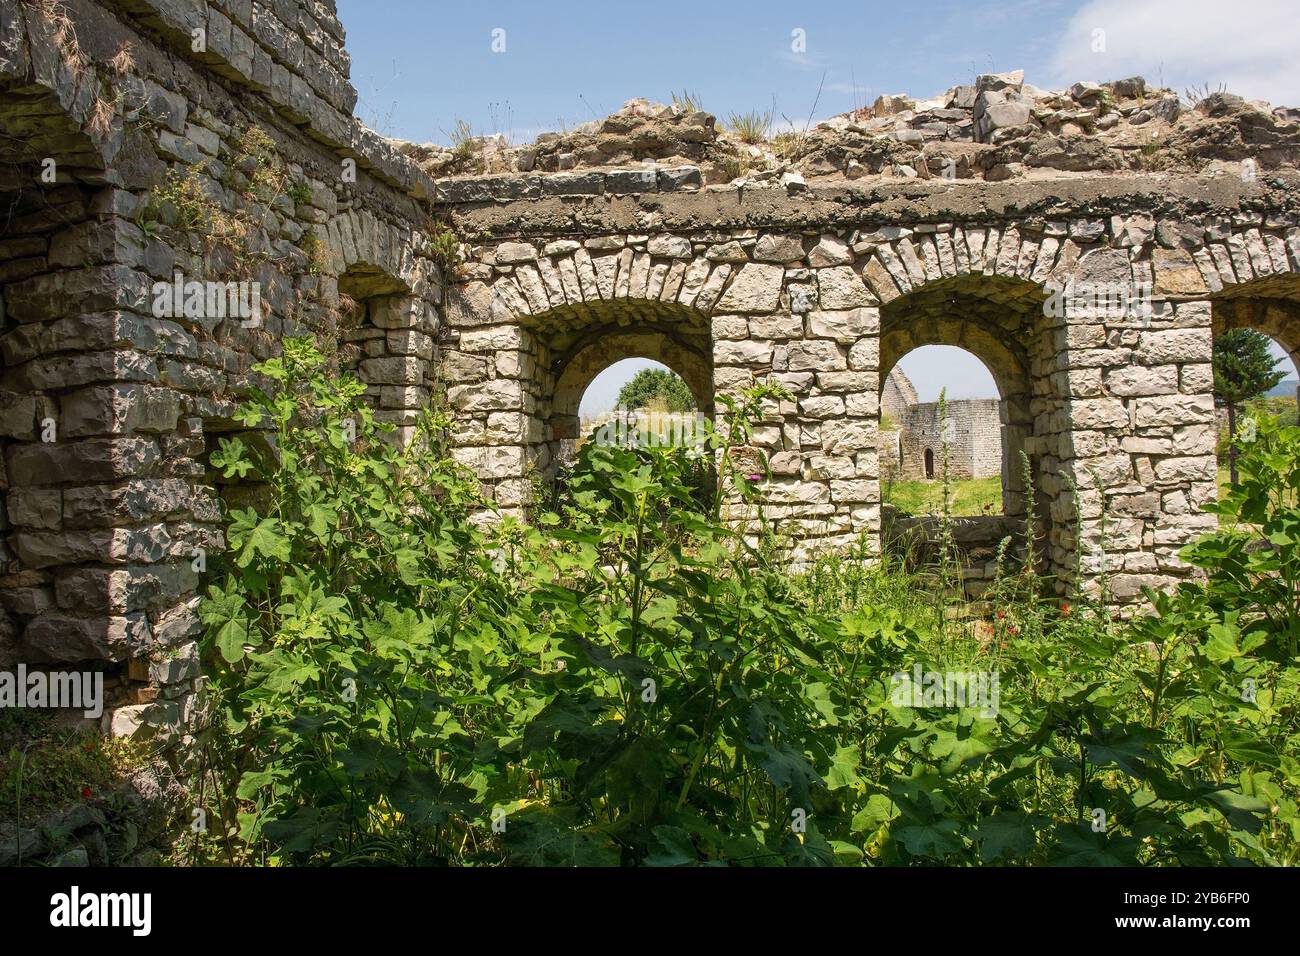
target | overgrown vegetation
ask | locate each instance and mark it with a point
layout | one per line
(46, 766)
(628, 682)
(1244, 369)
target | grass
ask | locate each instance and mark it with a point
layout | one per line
(687, 101)
(46, 769)
(976, 496)
(751, 127)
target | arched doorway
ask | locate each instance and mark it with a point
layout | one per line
(1256, 325)
(601, 347)
(999, 320)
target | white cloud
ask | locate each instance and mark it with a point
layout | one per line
(1250, 46)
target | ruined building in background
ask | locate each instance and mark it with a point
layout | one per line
(914, 435)
(1085, 244)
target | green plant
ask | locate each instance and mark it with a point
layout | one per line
(316, 252)
(444, 247)
(267, 176)
(633, 680)
(462, 140)
(751, 127)
(1244, 369)
(789, 144)
(300, 192)
(687, 101)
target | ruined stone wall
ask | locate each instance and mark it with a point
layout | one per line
(130, 153)
(971, 429)
(136, 149)
(819, 288)
(534, 321)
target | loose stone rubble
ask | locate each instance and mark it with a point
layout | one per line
(998, 128)
(816, 261)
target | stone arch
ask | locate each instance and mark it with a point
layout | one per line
(1252, 277)
(570, 281)
(572, 353)
(601, 348)
(1264, 305)
(388, 295)
(62, 415)
(996, 319)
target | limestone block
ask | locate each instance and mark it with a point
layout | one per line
(841, 288)
(845, 326)
(756, 288)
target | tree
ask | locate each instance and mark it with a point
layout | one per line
(1244, 369)
(652, 387)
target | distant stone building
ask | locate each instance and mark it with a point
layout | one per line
(911, 442)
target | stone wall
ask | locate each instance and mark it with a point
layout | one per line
(130, 157)
(970, 428)
(820, 287)
(132, 153)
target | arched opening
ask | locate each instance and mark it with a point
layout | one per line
(575, 344)
(998, 433)
(641, 391)
(942, 417)
(1256, 358)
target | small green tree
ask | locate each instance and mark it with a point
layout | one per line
(1243, 369)
(656, 385)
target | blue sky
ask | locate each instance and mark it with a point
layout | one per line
(420, 66)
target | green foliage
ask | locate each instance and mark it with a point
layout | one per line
(687, 101)
(1243, 366)
(462, 140)
(45, 768)
(1243, 369)
(629, 681)
(444, 247)
(658, 389)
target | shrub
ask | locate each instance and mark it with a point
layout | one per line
(630, 680)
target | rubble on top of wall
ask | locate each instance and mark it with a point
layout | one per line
(995, 129)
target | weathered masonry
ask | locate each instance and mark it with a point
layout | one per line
(127, 157)
(131, 153)
(825, 289)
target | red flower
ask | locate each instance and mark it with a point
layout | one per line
(1013, 629)
(1065, 609)
(1002, 615)
(85, 793)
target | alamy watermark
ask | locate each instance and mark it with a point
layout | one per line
(647, 429)
(74, 909)
(75, 690)
(208, 300)
(1108, 300)
(922, 688)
